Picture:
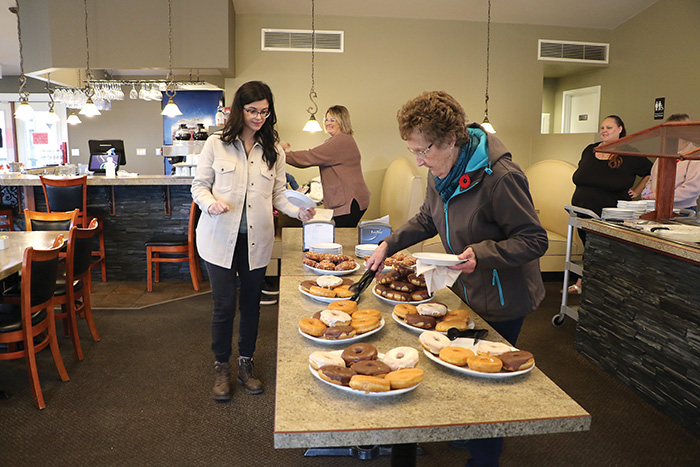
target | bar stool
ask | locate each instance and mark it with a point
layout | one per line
(179, 248)
(6, 212)
(66, 194)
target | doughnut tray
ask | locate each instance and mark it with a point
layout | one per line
(470, 325)
(479, 374)
(323, 272)
(398, 302)
(349, 340)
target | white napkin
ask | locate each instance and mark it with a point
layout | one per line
(436, 277)
(381, 220)
(323, 214)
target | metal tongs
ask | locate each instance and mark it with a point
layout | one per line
(361, 285)
(477, 334)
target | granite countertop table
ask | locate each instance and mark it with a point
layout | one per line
(447, 405)
(33, 180)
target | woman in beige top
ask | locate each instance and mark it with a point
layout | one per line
(339, 161)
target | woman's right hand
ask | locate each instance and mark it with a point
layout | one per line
(285, 145)
(218, 207)
(376, 261)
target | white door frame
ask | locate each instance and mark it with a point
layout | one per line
(567, 96)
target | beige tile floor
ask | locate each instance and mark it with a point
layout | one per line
(124, 294)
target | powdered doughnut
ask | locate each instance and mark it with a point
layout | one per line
(329, 281)
(456, 355)
(433, 341)
(403, 309)
(517, 360)
(401, 357)
(492, 348)
(336, 374)
(369, 383)
(335, 318)
(365, 323)
(321, 291)
(420, 321)
(312, 326)
(416, 279)
(369, 367)
(346, 306)
(485, 363)
(319, 358)
(367, 312)
(358, 352)
(446, 324)
(404, 378)
(339, 332)
(432, 309)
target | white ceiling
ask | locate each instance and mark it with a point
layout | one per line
(599, 14)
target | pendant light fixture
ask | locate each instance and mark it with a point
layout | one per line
(89, 109)
(73, 119)
(486, 124)
(171, 109)
(24, 111)
(52, 117)
(312, 125)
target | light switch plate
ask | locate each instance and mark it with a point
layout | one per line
(140, 151)
(159, 151)
(75, 152)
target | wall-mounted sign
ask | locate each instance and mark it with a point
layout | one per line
(582, 117)
(659, 107)
(40, 138)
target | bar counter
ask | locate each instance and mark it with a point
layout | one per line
(447, 405)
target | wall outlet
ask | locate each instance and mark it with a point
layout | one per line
(159, 151)
(140, 151)
(75, 152)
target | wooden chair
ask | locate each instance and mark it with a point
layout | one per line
(6, 213)
(33, 319)
(36, 220)
(66, 194)
(179, 248)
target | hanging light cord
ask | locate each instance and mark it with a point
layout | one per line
(88, 74)
(312, 94)
(169, 87)
(488, 53)
(24, 95)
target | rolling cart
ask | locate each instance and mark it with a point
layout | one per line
(575, 213)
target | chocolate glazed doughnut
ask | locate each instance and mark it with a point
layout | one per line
(358, 352)
(336, 374)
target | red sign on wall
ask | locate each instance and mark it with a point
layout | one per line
(40, 138)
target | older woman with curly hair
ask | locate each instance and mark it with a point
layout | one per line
(478, 201)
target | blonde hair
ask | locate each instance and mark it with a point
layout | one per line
(342, 116)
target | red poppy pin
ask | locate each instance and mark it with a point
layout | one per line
(464, 181)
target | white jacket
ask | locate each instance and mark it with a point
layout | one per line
(225, 173)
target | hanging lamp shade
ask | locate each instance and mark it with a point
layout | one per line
(486, 125)
(90, 109)
(73, 119)
(171, 109)
(312, 125)
(24, 111)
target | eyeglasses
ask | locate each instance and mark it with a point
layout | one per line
(255, 112)
(423, 152)
(331, 120)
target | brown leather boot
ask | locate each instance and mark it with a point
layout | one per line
(246, 377)
(222, 383)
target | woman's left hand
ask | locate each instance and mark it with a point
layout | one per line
(632, 193)
(469, 263)
(306, 214)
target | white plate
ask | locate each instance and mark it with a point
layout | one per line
(299, 200)
(393, 392)
(470, 325)
(438, 259)
(349, 340)
(398, 302)
(323, 272)
(479, 374)
(333, 248)
(321, 299)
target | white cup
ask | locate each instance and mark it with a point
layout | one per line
(178, 171)
(4, 242)
(82, 169)
(185, 171)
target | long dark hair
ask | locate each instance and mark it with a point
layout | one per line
(615, 160)
(267, 135)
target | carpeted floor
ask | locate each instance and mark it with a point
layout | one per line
(142, 397)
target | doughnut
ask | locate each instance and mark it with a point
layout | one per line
(365, 324)
(402, 270)
(358, 352)
(401, 286)
(306, 286)
(416, 279)
(456, 355)
(369, 367)
(404, 378)
(321, 291)
(339, 332)
(385, 278)
(317, 315)
(389, 262)
(312, 255)
(336, 374)
(309, 262)
(485, 363)
(335, 318)
(432, 309)
(343, 291)
(367, 312)
(420, 294)
(465, 342)
(420, 321)
(517, 360)
(346, 306)
(403, 309)
(461, 314)
(492, 348)
(433, 341)
(329, 281)
(312, 326)
(346, 266)
(369, 383)
(391, 294)
(326, 265)
(319, 358)
(401, 357)
(446, 324)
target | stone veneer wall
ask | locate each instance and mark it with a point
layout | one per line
(639, 319)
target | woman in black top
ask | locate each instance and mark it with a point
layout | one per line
(603, 179)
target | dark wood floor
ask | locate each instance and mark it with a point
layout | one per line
(123, 294)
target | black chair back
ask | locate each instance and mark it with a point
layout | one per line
(64, 198)
(37, 224)
(43, 281)
(82, 257)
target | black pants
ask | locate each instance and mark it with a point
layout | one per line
(223, 291)
(350, 220)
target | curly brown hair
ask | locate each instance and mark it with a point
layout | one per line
(437, 115)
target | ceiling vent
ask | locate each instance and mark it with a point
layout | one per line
(299, 40)
(573, 52)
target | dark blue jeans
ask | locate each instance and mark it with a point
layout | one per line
(223, 292)
(485, 452)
